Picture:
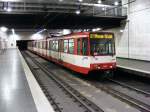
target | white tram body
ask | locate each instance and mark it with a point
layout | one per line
(81, 52)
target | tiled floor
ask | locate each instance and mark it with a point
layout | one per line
(15, 95)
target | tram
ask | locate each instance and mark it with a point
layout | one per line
(82, 52)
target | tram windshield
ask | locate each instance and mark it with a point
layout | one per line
(102, 44)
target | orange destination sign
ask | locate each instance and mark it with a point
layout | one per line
(101, 36)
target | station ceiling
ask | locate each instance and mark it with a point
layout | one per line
(53, 14)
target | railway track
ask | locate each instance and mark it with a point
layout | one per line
(61, 95)
(130, 87)
(141, 105)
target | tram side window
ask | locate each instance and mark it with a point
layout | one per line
(71, 46)
(53, 45)
(44, 44)
(61, 46)
(85, 46)
(38, 45)
(47, 42)
(50, 44)
(32, 44)
(56, 45)
(35, 44)
(79, 46)
(65, 46)
(41, 45)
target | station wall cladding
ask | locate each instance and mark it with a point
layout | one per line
(133, 37)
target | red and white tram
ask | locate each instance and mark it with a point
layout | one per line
(81, 52)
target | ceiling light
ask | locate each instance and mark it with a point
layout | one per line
(5, 8)
(3, 29)
(80, 0)
(78, 12)
(60, 0)
(41, 31)
(116, 3)
(66, 31)
(121, 31)
(99, 1)
(13, 31)
(37, 36)
(103, 8)
(9, 9)
(96, 29)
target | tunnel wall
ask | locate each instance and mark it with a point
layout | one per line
(24, 34)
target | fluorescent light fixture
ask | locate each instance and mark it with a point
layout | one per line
(3, 29)
(80, 0)
(96, 29)
(9, 9)
(13, 31)
(66, 31)
(116, 3)
(103, 8)
(99, 1)
(121, 31)
(78, 12)
(5, 8)
(41, 31)
(36, 36)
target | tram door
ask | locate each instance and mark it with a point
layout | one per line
(79, 46)
(82, 46)
(82, 49)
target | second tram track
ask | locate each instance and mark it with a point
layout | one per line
(122, 96)
(130, 87)
(82, 102)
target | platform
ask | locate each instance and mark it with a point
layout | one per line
(137, 67)
(15, 88)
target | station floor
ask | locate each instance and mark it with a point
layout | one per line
(15, 89)
(137, 66)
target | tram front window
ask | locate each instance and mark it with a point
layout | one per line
(102, 47)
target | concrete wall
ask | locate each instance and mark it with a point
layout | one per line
(134, 41)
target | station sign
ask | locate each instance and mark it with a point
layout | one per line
(101, 36)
